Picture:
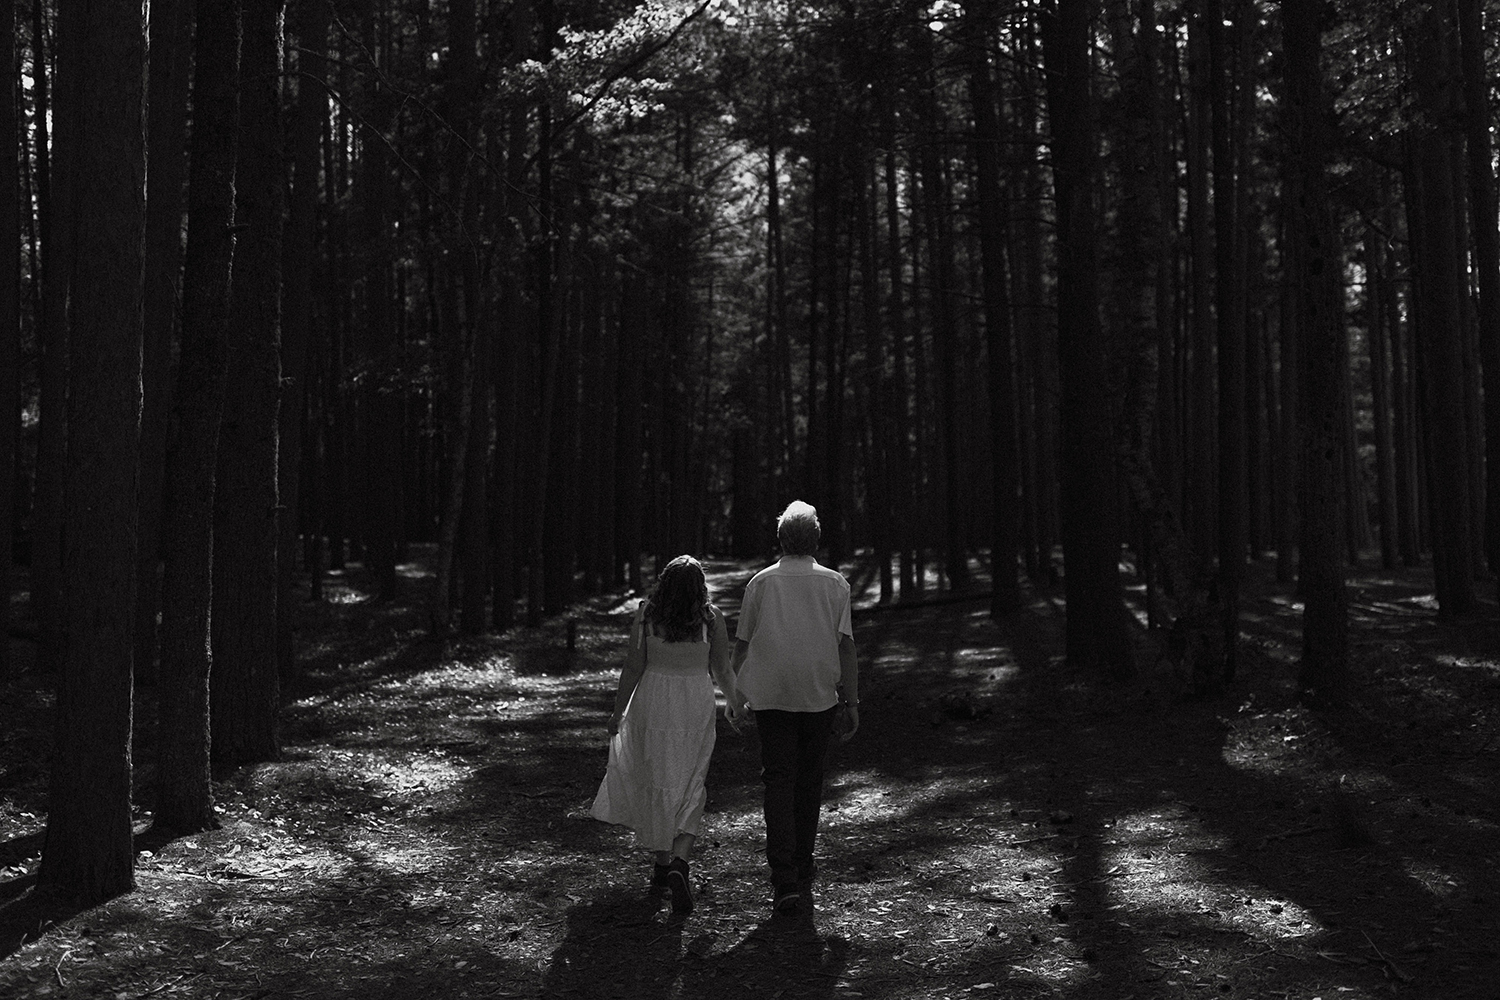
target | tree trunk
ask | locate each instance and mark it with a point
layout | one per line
(55, 204)
(171, 46)
(301, 264)
(1096, 631)
(245, 688)
(1440, 315)
(10, 320)
(1376, 307)
(1482, 206)
(88, 855)
(379, 415)
(1199, 487)
(1229, 266)
(506, 518)
(901, 465)
(466, 461)
(185, 793)
(1315, 276)
(875, 400)
(1403, 432)
(935, 202)
(1005, 595)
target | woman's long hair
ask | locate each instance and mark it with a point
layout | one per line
(678, 607)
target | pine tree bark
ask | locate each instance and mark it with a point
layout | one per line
(1199, 488)
(1381, 317)
(171, 47)
(938, 216)
(88, 855)
(1097, 635)
(55, 207)
(874, 384)
(1315, 277)
(1440, 314)
(1005, 595)
(10, 317)
(300, 264)
(1229, 309)
(379, 420)
(245, 689)
(184, 788)
(463, 501)
(1482, 206)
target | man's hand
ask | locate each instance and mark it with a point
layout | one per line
(851, 722)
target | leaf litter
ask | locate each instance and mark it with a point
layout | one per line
(1000, 826)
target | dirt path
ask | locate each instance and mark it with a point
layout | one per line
(999, 828)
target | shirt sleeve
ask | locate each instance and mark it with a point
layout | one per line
(744, 628)
(846, 623)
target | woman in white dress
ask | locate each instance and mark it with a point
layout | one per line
(662, 729)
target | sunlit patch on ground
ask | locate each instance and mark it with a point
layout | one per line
(426, 833)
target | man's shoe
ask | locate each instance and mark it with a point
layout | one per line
(787, 899)
(677, 881)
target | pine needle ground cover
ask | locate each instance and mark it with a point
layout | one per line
(1001, 826)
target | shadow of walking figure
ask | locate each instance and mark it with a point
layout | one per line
(781, 955)
(623, 945)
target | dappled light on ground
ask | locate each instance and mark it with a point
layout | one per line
(1001, 826)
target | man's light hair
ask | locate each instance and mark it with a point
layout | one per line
(797, 529)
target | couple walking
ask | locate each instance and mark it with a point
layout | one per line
(793, 666)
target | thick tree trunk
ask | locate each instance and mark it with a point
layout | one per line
(1136, 144)
(301, 264)
(245, 688)
(1316, 279)
(184, 790)
(1440, 315)
(1097, 635)
(171, 48)
(89, 856)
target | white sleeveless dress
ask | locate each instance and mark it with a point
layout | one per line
(659, 758)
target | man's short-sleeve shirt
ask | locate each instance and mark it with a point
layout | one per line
(793, 614)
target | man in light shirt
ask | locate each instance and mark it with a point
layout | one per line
(795, 663)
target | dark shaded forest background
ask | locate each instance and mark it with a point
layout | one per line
(1053, 294)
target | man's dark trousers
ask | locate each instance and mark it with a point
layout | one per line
(792, 749)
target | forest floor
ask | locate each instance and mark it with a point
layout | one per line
(1001, 826)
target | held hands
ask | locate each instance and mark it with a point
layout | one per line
(736, 712)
